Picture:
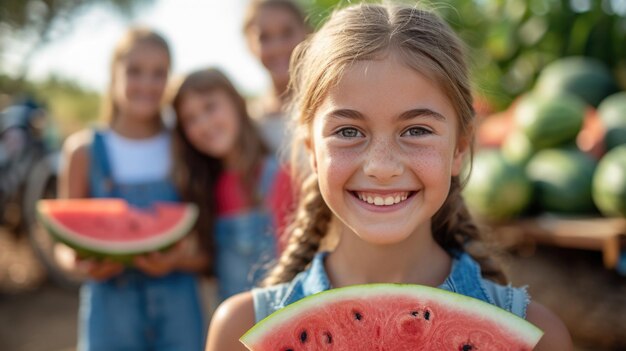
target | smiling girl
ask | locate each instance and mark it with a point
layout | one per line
(383, 105)
(154, 303)
(222, 165)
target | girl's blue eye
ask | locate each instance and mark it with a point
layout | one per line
(416, 131)
(349, 132)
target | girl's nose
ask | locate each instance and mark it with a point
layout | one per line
(382, 161)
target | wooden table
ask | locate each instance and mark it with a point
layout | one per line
(607, 235)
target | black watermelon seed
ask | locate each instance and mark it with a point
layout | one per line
(358, 316)
(289, 350)
(329, 338)
(303, 336)
(414, 313)
(427, 315)
(467, 347)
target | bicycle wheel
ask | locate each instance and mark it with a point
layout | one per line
(41, 184)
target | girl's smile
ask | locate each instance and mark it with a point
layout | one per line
(382, 201)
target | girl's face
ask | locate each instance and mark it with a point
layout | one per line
(384, 146)
(210, 122)
(140, 79)
(273, 35)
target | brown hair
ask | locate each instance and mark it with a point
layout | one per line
(195, 173)
(132, 38)
(366, 32)
(255, 6)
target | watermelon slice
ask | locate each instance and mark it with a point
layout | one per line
(111, 228)
(391, 317)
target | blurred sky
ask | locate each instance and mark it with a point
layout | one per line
(200, 33)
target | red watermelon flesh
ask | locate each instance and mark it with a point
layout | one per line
(391, 317)
(110, 227)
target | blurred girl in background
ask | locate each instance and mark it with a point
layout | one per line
(154, 304)
(272, 29)
(223, 166)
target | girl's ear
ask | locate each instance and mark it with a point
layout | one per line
(459, 156)
(310, 150)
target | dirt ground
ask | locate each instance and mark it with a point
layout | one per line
(36, 315)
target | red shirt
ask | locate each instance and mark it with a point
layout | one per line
(233, 199)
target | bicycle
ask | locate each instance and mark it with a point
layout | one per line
(29, 165)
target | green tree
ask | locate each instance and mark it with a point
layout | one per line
(512, 40)
(37, 22)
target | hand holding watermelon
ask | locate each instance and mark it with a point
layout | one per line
(160, 263)
(99, 269)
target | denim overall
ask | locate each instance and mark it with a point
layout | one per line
(134, 311)
(464, 279)
(245, 242)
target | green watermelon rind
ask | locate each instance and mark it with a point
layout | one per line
(524, 330)
(122, 252)
(587, 78)
(562, 179)
(609, 183)
(550, 121)
(497, 189)
(612, 112)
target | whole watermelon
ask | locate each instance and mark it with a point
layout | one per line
(584, 77)
(609, 183)
(612, 112)
(550, 121)
(517, 148)
(497, 190)
(562, 180)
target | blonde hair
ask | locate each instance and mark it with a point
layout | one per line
(131, 39)
(367, 32)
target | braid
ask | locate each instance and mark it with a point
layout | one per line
(307, 231)
(454, 229)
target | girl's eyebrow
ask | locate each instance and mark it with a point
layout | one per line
(421, 112)
(413, 113)
(345, 113)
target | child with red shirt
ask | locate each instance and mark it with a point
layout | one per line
(224, 167)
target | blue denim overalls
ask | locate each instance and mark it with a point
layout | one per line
(245, 242)
(464, 278)
(134, 311)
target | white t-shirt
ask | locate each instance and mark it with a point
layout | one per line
(138, 160)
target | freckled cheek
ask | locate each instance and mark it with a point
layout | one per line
(336, 165)
(430, 163)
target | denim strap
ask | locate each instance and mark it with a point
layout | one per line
(100, 173)
(268, 175)
(464, 279)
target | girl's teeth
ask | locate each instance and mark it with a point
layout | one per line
(382, 201)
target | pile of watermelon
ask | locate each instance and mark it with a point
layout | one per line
(564, 142)
(391, 317)
(110, 228)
